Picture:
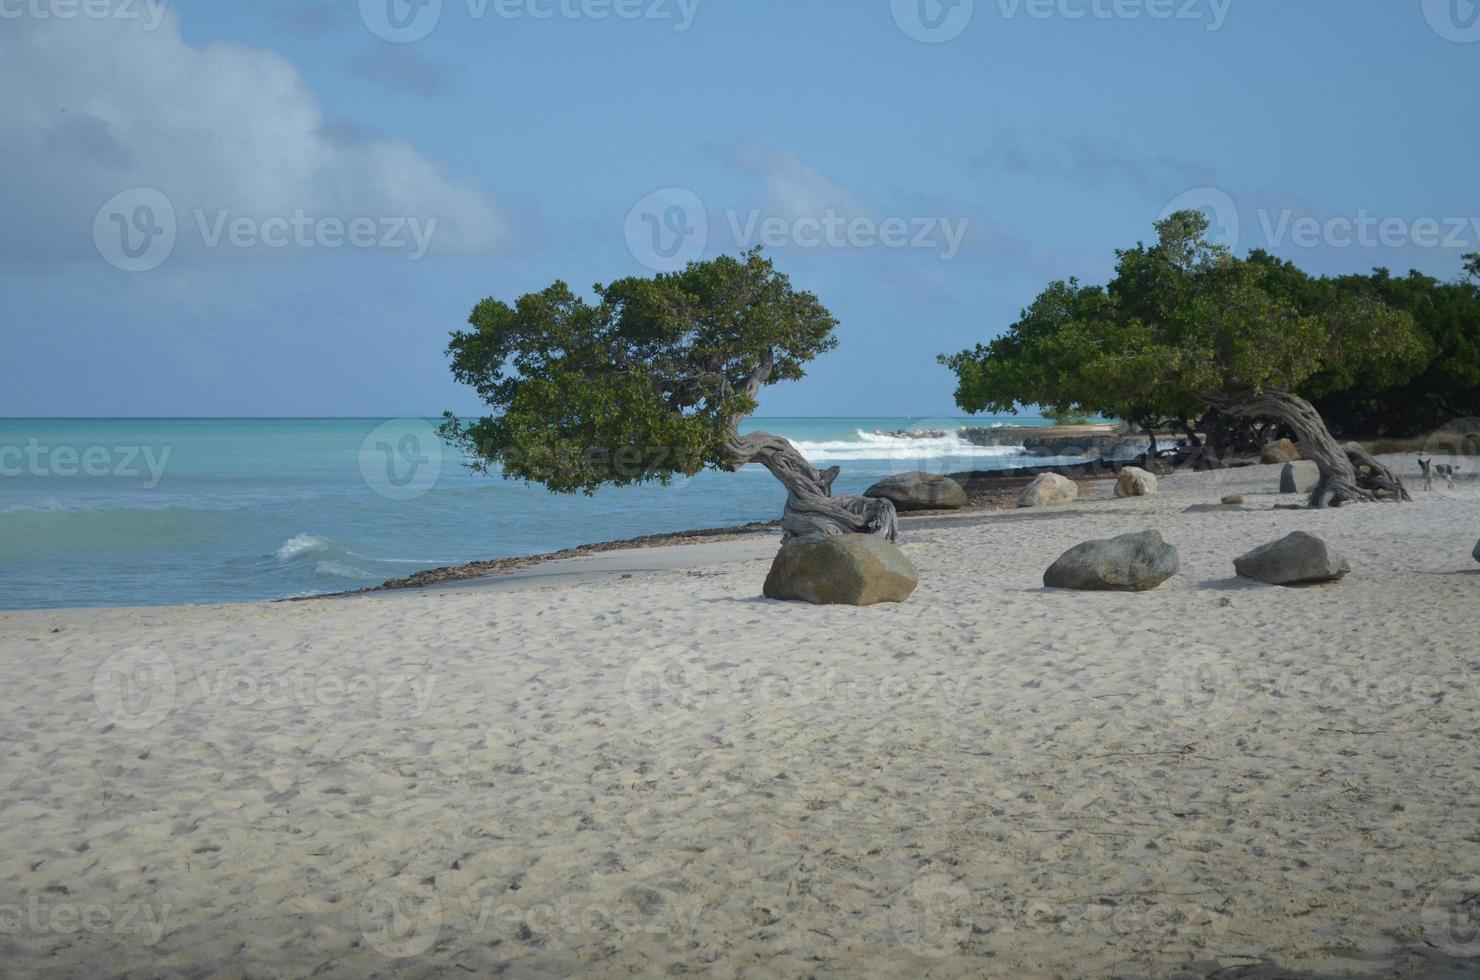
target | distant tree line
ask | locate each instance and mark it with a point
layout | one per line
(1236, 350)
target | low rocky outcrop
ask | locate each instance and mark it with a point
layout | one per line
(1048, 489)
(841, 569)
(1135, 482)
(1296, 559)
(919, 491)
(1130, 563)
(1299, 477)
(1279, 451)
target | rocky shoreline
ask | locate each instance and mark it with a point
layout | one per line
(986, 490)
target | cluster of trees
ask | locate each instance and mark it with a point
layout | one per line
(1188, 335)
(652, 378)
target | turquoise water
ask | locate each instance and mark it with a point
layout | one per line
(150, 512)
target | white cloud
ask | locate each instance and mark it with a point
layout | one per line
(793, 188)
(95, 107)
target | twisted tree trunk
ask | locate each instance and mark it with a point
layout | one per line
(1349, 474)
(811, 509)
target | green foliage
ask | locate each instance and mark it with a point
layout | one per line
(1070, 418)
(642, 384)
(1448, 388)
(1184, 321)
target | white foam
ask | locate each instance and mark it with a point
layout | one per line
(302, 544)
(869, 445)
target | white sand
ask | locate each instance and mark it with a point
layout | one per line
(666, 774)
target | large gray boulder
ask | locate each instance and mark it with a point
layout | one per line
(1299, 477)
(919, 491)
(1129, 563)
(1296, 559)
(841, 570)
(1048, 489)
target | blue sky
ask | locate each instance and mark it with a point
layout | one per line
(925, 169)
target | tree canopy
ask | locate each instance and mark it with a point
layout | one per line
(644, 383)
(1185, 325)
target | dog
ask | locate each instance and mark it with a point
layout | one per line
(1432, 469)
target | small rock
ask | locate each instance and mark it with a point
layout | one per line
(1279, 451)
(1233, 500)
(1129, 563)
(1049, 489)
(1302, 476)
(919, 491)
(841, 569)
(1297, 559)
(1135, 482)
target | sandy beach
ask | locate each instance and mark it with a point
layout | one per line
(643, 768)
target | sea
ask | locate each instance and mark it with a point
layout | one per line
(126, 512)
